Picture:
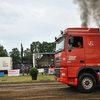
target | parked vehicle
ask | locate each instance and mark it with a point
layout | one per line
(5, 63)
(43, 60)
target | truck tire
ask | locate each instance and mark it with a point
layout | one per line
(86, 83)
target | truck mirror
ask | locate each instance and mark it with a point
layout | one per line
(71, 39)
(70, 46)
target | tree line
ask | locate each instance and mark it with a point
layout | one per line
(25, 56)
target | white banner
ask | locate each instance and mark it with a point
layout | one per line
(14, 72)
(41, 70)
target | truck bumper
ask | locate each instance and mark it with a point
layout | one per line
(69, 81)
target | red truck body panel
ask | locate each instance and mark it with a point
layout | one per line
(70, 61)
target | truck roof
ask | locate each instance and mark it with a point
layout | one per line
(83, 31)
(44, 53)
(80, 32)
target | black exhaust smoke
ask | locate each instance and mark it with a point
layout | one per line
(88, 9)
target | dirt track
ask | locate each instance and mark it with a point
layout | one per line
(44, 91)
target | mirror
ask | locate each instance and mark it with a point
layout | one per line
(71, 39)
(70, 42)
(70, 46)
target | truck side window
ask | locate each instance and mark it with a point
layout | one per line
(75, 42)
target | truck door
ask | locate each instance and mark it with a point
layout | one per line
(91, 50)
(75, 55)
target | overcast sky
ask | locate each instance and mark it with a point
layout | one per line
(25, 21)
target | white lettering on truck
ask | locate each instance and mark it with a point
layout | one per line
(72, 58)
(91, 43)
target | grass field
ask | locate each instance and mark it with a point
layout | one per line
(25, 78)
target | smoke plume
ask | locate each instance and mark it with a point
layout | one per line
(88, 9)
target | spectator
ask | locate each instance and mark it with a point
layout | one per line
(23, 69)
(45, 71)
(30, 67)
(42, 72)
(27, 70)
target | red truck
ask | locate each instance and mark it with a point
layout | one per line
(77, 58)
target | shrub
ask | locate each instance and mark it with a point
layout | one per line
(33, 71)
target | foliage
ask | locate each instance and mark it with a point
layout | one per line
(15, 54)
(48, 47)
(33, 71)
(21, 52)
(3, 52)
(37, 47)
(27, 56)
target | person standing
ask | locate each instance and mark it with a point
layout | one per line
(45, 71)
(23, 69)
(27, 70)
(30, 67)
(42, 71)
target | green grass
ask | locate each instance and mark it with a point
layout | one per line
(25, 78)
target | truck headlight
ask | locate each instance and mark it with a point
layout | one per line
(62, 74)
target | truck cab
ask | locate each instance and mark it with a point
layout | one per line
(77, 58)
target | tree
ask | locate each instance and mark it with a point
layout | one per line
(15, 54)
(21, 52)
(51, 47)
(48, 47)
(35, 47)
(3, 52)
(45, 47)
(27, 56)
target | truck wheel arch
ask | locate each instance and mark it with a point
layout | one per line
(88, 70)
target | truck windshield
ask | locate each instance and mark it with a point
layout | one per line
(60, 44)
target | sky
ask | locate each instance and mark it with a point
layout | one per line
(25, 21)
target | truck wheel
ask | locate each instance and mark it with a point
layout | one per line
(86, 83)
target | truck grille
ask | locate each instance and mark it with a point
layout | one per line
(57, 72)
(57, 62)
(59, 58)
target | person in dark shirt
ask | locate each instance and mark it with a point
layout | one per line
(23, 69)
(27, 70)
(30, 68)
